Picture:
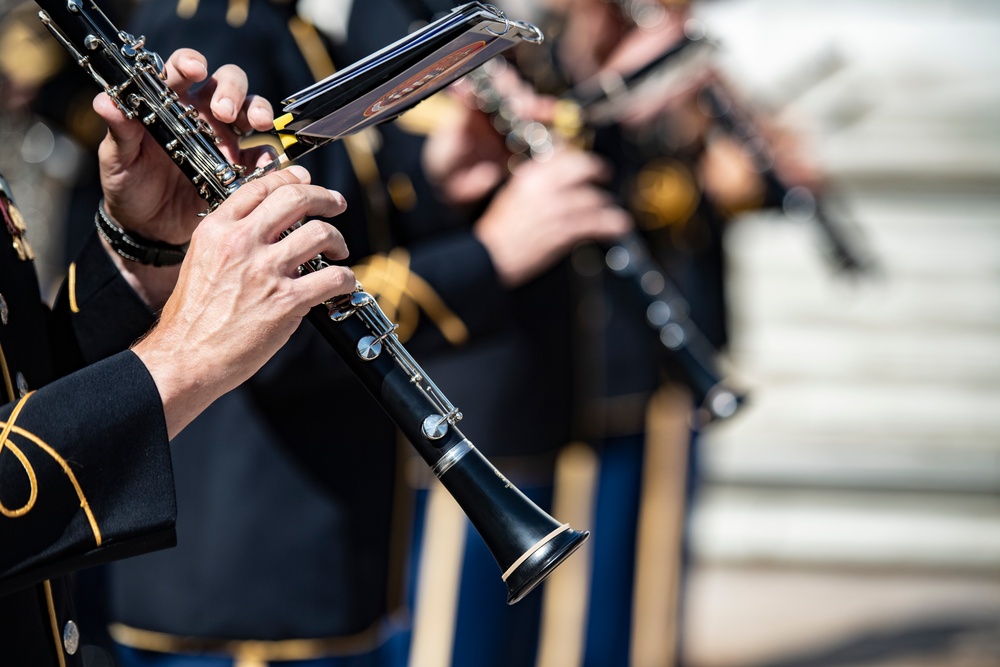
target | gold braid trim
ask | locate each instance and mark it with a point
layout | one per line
(403, 294)
(29, 470)
(246, 650)
(71, 288)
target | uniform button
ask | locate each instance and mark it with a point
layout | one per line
(22, 385)
(71, 637)
(4, 311)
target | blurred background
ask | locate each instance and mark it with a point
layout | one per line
(851, 514)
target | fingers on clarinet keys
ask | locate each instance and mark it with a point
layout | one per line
(238, 131)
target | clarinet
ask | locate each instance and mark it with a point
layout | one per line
(629, 257)
(845, 242)
(797, 202)
(526, 542)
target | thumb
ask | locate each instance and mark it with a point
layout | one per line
(124, 138)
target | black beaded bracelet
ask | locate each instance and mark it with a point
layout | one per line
(134, 247)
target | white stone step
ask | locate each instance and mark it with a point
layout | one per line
(890, 529)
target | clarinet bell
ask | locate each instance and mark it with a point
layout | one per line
(537, 566)
(525, 541)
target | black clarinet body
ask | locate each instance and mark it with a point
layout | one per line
(691, 354)
(795, 201)
(526, 542)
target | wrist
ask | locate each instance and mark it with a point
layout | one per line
(185, 385)
(135, 247)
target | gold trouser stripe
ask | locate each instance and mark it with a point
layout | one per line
(246, 651)
(660, 530)
(9, 428)
(71, 288)
(54, 622)
(249, 662)
(440, 573)
(567, 589)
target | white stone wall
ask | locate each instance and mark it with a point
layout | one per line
(873, 436)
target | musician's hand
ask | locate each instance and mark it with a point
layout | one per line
(592, 29)
(240, 296)
(543, 211)
(728, 176)
(641, 45)
(794, 163)
(144, 190)
(464, 157)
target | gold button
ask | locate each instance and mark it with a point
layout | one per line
(71, 638)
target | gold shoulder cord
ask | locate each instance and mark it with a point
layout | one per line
(402, 294)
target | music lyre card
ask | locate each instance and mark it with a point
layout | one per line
(393, 80)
